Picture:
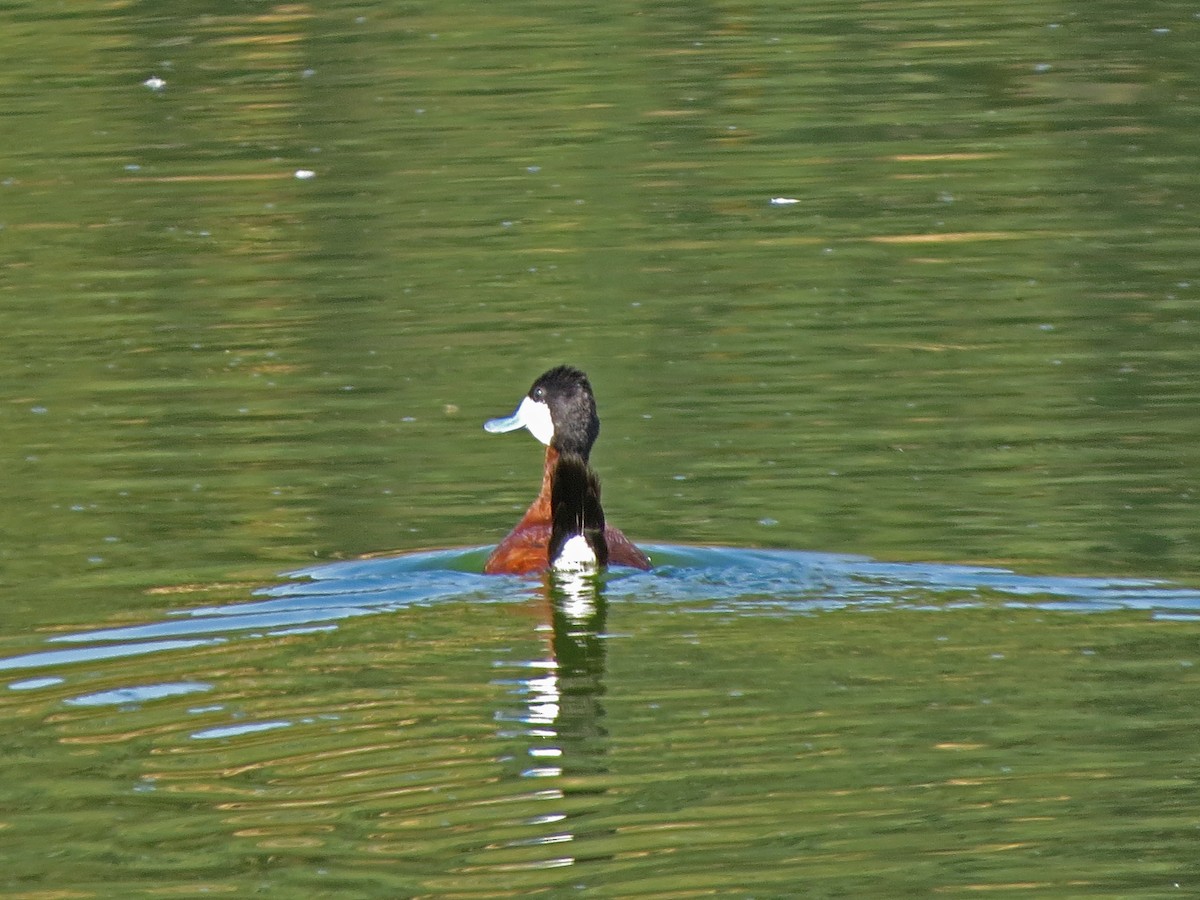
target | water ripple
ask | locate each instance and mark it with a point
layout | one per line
(724, 579)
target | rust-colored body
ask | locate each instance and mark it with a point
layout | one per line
(526, 548)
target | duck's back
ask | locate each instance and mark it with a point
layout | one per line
(568, 507)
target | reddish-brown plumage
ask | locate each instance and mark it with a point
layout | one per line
(622, 551)
(526, 549)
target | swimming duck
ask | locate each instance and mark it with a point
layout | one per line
(564, 527)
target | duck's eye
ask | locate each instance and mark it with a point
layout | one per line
(539, 394)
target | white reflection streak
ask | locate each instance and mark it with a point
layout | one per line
(579, 592)
(543, 709)
(543, 704)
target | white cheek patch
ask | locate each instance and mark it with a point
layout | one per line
(531, 414)
(535, 416)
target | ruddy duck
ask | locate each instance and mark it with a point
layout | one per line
(564, 527)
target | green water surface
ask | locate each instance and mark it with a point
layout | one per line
(916, 281)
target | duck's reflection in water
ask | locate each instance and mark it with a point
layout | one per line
(562, 719)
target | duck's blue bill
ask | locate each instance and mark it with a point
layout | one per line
(504, 423)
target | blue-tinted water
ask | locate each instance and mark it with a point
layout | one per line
(755, 722)
(725, 579)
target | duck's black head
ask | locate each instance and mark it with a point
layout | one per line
(559, 410)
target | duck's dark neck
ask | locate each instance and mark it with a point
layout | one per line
(575, 508)
(573, 444)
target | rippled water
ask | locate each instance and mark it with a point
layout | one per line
(742, 582)
(893, 305)
(735, 721)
